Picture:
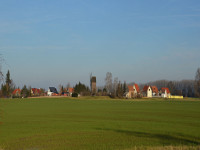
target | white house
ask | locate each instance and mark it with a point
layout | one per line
(147, 91)
(165, 92)
(52, 91)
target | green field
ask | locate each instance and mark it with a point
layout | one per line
(98, 123)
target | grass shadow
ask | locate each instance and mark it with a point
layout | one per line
(165, 139)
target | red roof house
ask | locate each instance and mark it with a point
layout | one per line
(154, 90)
(130, 88)
(35, 92)
(136, 87)
(167, 89)
(70, 90)
(16, 92)
(130, 93)
(147, 91)
(165, 92)
(145, 88)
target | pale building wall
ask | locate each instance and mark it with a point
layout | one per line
(164, 95)
(49, 93)
(135, 91)
(149, 92)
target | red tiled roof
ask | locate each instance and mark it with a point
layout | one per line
(167, 89)
(130, 88)
(154, 89)
(70, 90)
(145, 88)
(137, 87)
(35, 90)
(16, 91)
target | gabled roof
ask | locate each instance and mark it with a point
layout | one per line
(16, 91)
(137, 87)
(70, 90)
(154, 89)
(164, 88)
(145, 88)
(53, 89)
(130, 88)
(35, 90)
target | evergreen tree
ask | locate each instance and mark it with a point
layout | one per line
(119, 90)
(8, 86)
(124, 87)
(82, 89)
(8, 80)
(25, 92)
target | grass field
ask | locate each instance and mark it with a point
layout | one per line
(99, 123)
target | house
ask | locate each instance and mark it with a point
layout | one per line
(165, 92)
(126, 95)
(35, 92)
(154, 91)
(16, 92)
(147, 91)
(136, 90)
(130, 93)
(70, 91)
(52, 91)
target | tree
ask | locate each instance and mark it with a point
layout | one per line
(3, 90)
(61, 89)
(68, 85)
(115, 86)
(1, 73)
(82, 89)
(189, 93)
(8, 87)
(108, 82)
(171, 87)
(119, 90)
(25, 92)
(124, 87)
(197, 83)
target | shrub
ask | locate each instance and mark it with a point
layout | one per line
(74, 94)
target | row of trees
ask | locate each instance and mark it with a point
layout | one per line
(82, 89)
(114, 88)
(8, 87)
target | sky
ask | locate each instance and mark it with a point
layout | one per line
(50, 42)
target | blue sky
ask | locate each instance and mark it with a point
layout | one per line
(47, 42)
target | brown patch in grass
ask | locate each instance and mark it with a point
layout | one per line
(166, 148)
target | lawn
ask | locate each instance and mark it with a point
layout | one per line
(98, 123)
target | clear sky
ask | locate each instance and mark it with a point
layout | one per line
(51, 42)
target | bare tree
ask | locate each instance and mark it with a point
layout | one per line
(61, 89)
(1, 73)
(68, 85)
(108, 81)
(171, 87)
(197, 83)
(90, 81)
(115, 86)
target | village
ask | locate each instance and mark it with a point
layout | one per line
(132, 91)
